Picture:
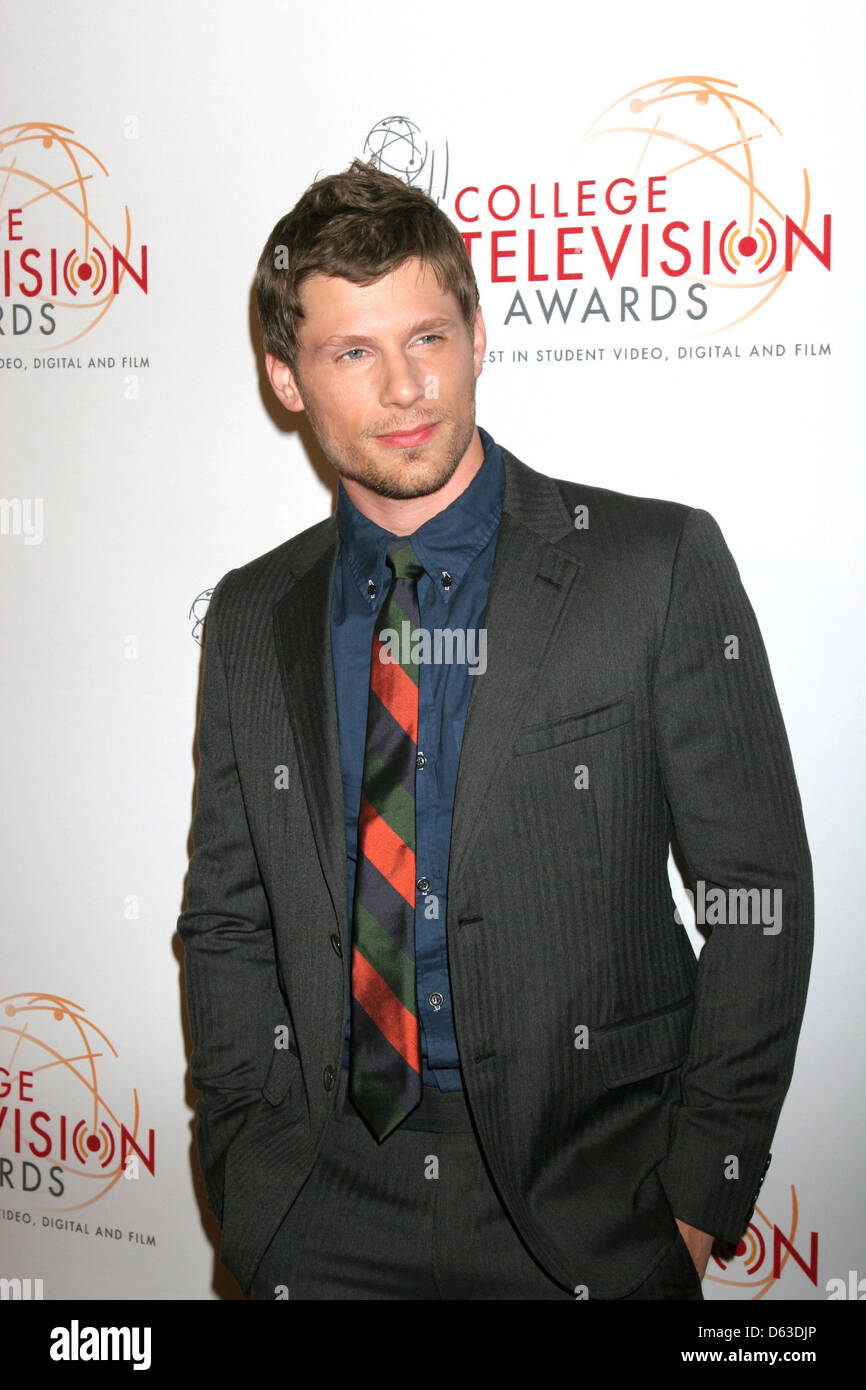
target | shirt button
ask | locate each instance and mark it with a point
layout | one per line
(335, 942)
(423, 885)
(371, 588)
(420, 759)
(329, 1076)
(436, 1000)
(446, 580)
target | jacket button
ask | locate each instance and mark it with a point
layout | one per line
(423, 885)
(329, 1076)
(335, 942)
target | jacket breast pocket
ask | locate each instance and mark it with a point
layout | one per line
(535, 737)
(646, 1046)
(284, 1070)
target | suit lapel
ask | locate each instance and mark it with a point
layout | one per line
(529, 586)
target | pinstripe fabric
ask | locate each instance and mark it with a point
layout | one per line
(385, 1054)
(607, 653)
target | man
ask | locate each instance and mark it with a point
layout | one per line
(450, 1036)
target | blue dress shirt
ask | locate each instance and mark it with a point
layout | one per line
(456, 548)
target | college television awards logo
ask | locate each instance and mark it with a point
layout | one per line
(764, 1252)
(683, 206)
(67, 243)
(70, 1126)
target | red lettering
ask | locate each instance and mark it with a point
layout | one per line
(14, 226)
(127, 1142)
(582, 197)
(464, 217)
(30, 270)
(676, 246)
(562, 251)
(496, 255)
(36, 1152)
(24, 1078)
(118, 260)
(792, 230)
(630, 198)
(652, 193)
(610, 265)
(810, 1269)
(504, 216)
(532, 273)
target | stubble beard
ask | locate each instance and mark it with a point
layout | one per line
(354, 462)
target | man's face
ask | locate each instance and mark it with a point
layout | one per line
(386, 373)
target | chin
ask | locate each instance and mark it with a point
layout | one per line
(402, 488)
(412, 473)
(403, 494)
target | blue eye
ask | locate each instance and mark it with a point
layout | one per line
(347, 356)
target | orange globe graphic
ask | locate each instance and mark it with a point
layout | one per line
(725, 162)
(63, 210)
(70, 1113)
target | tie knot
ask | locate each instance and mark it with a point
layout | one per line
(403, 560)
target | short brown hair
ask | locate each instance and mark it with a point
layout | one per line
(358, 225)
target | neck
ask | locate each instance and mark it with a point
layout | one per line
(403, 516)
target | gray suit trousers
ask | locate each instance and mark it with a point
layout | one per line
(417, 1217)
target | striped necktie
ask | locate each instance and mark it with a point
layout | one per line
(385, 1046)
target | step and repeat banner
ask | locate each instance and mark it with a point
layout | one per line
(664, 209)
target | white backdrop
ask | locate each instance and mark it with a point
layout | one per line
(131, 485)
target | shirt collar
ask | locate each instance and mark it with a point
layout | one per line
(446, 545)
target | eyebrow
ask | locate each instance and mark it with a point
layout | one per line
(360, 339)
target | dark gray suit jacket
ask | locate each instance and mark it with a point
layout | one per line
(615, 1082)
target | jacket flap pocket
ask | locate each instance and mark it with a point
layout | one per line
(281, 1073)
(645, 1046)
(595, 721)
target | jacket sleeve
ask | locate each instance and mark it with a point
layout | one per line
(232, 991)
(730, 785)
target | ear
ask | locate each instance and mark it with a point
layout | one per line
(282, 380)
(479, 342)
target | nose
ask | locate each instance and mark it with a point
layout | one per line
(402, 380)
